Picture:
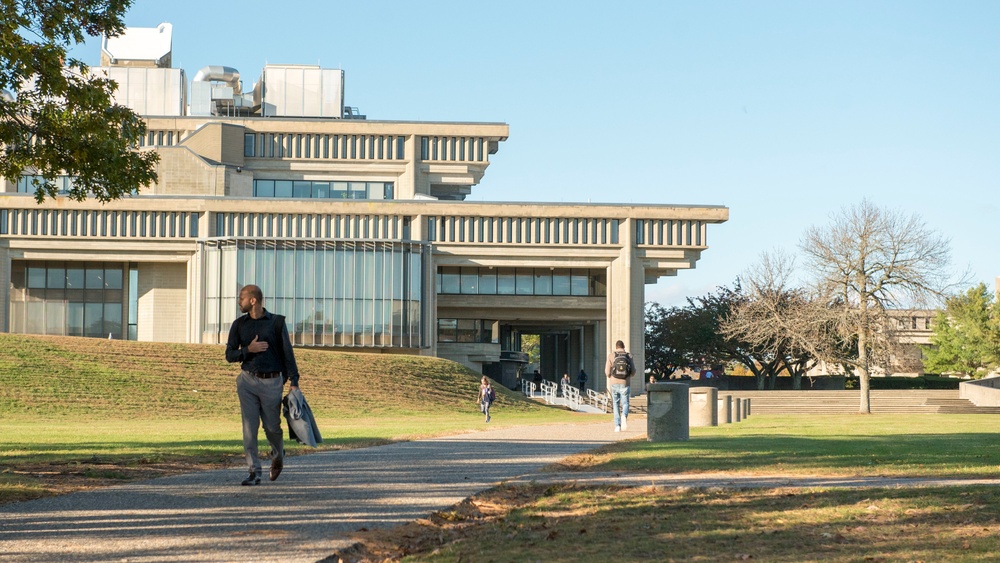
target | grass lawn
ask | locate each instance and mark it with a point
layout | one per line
(84, 412)
(856, 445)
(79, 413)
(565, 523)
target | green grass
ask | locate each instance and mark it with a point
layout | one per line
(566, 523)
(890, 445)
(86, 408)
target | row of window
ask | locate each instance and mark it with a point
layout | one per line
(306, 189)
(469, 149)
(74, 298)
(87, 223)
(466, 331)
(359, 147)
(332, 293)
(670, 232)
(159, 138)
(520, 281)
(28, 183)
(522, 230)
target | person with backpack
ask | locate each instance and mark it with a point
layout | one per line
(581, 379)
(486, 397)
(619, 368)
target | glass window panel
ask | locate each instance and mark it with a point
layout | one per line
(34, 317)
(74, 278)
(359, 190)
(36, 277)
(379, 279)
(466, 330)
(505, 281)
(447, 329)
(580, 283)
(264, 188)
(113, 320)
(95, 278)
(113, 278)
(93, 320)
(487, 282)
(338, 190)
(56, 279)
(525, 281)
(283, 188)
(321, 190)
(450, 280)
(302, 189)
(74, 319)
(543, 282)
(388, 190)
(248, 144)
(470, 281)
(560, 282)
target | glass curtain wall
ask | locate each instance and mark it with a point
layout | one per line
(471, 280)
(332, 293)
(69, 298)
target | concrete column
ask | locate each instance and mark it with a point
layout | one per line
(746, 407)
(703, 406)
(5, 283)
(737, 409)
(725, 409)
(667, 417)
(430, 302)
(626, 302)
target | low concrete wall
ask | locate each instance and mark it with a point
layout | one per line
(982, 392)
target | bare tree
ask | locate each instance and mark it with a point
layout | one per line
(788, 322)
(869, 260)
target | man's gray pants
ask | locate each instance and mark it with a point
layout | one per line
(260, 400)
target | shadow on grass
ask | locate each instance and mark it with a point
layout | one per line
(967, 454)
(564, 524)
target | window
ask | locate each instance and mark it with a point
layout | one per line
(249, 143)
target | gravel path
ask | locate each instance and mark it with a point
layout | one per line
(303, 516)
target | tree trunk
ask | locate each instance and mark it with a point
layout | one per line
(866, 406)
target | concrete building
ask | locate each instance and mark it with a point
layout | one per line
(356, 230)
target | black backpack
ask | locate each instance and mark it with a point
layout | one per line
(621, 366)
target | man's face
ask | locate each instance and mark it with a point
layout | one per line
(246, 302)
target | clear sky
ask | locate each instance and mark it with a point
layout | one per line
(782, 111)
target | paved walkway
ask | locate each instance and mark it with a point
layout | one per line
(305, 515)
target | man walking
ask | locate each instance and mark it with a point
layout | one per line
(581, 379)
(619, 368)
(259, 341)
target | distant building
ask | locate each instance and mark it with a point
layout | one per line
(355, 229)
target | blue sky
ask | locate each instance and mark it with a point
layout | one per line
(782, 111)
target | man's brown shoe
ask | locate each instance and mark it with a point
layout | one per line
(276, 465)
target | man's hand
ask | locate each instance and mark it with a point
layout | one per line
(257, 346)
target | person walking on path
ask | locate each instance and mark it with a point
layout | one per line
(486, 397)
(259, 341)
(619, 368)
(564, 384)
(581, 380)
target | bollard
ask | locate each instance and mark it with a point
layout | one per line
(726, 409)
(667, 412)
(746, 407)
(737, 409)
(703, 406)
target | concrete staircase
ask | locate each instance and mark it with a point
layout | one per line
(925, 401)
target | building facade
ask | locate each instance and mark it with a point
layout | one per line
(357, 230)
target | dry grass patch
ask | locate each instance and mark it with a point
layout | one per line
(567, 523)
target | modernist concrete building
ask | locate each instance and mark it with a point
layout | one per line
(356, 229)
